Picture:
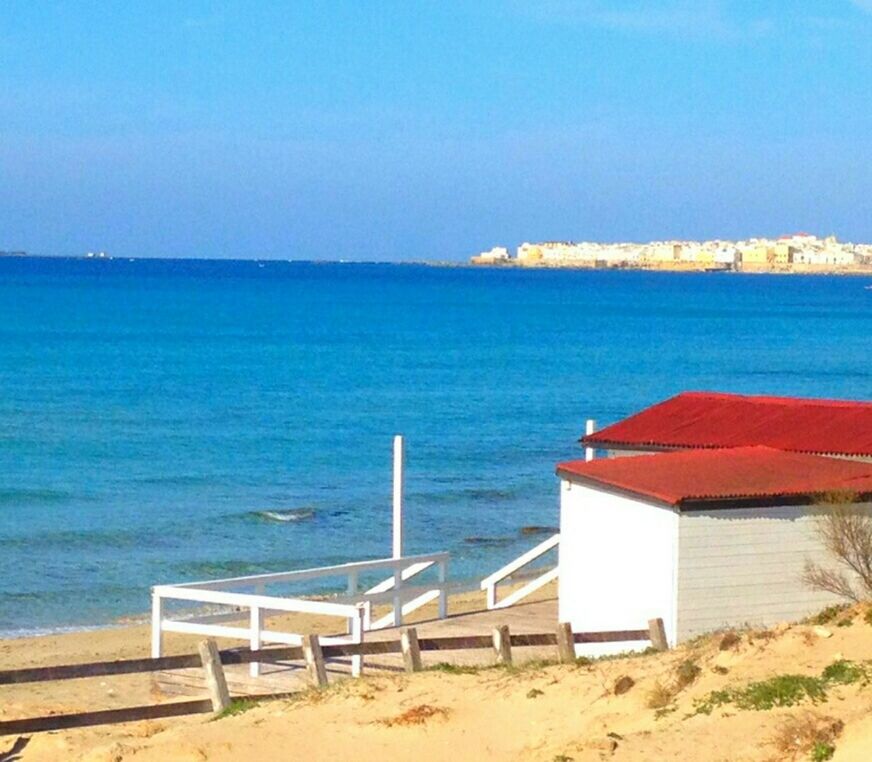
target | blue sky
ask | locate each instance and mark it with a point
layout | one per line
(398, 130)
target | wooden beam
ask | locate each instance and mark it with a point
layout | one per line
(503, 645)
(104, 717)
(215, 681)
(565, 643)
(411, 650)
(314, 657)
(657, 634)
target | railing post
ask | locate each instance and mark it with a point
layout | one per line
(657, 634)
(492, 595)
(314, 657)
(503, 645)
(215, 680)
(443, 592)
(156, 625)
(367, 615)
(398, 600)
(255, 638)
(358, 627)
(565, 643)
(411, 650)
(589, 428)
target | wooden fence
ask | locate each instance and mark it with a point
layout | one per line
(312, 652)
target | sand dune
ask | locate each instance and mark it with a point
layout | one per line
(540, 712)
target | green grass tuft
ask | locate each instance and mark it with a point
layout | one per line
(454, 669)
(845, 672)
(785, 690)
(822, 751)
(237, 706)
(828, 614)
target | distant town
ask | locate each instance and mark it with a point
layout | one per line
(798, 253)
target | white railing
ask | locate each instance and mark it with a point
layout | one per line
(355, 605)
(490, 583)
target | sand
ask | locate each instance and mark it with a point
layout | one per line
(536, 712)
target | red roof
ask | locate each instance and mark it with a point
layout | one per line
(708, 419)
(742, 474)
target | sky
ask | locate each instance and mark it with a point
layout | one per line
(428, 130)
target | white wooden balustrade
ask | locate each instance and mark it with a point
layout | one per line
(355, 605)
(490, 583)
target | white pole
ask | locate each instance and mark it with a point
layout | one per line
(398, 497)
(589, 428)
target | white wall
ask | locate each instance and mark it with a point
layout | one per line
(744, 566)
(617, 567)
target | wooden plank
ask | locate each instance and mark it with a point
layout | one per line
(96, 669)
(411, 650)
(455, 642)
(113, 716)
(214, 672)
(315, 661)
(657, 634)
(104, 717)
(616, 636)
(565, 643)
(502, 643)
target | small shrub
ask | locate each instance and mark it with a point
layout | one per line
(686, 673)
(534, 693)
(822, 751)
(867, 617)
(729, 640)
(846, 534)
(828, 614)
(237, 706)
(660, 696)
(562, 758)
(806, 736)
(844, 673)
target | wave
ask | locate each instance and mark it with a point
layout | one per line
(285, 517)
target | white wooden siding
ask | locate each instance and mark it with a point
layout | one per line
(744, 567)
(617, 567)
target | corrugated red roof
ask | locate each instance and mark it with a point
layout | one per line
(709, 419)
(738, 474)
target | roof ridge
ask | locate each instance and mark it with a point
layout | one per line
(773, 399)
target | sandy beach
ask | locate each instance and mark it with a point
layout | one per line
(535, 712)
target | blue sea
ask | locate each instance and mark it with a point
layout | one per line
(175, 420)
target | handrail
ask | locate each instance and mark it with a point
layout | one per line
(354, 605)
(490, 582)
(314, 573)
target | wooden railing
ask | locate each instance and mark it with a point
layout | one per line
(490, 583)
(312, 651)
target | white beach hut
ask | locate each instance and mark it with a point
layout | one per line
(704, 539)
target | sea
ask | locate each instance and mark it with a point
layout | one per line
(176, 420)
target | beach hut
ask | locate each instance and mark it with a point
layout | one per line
(713, 420)
(704, 539)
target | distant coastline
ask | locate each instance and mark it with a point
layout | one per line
(799, 253)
